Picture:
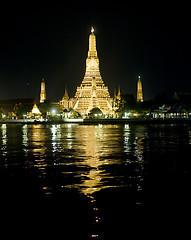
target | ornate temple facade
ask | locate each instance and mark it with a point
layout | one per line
(92, 92)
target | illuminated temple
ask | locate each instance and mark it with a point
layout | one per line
(92, 93)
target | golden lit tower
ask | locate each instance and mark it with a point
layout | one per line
(119, 94)
(92, 93)
(139, 90)
(42, 92)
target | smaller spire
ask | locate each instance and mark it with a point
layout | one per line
(42, 92)
(66, 96)
(119, 93)
(139, 90)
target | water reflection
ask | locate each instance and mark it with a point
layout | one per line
(134, 137)
(25, 135)
(56, 137)
(93, 147)
(94, 162)
(4, 134)
(4, 144)
(90, 158)
(37, 144)
(98, 157)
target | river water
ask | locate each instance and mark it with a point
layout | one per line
(94, 181)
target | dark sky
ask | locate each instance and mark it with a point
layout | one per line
(51, 41)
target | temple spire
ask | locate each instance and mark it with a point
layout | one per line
(42, 92)
(139, 90)
(92, 44)
(119, 93)
(92, 92)
(66, 96)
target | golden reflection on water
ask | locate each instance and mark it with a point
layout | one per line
(88, 153)
(38, 137)
(93, 143)
(34, 142)
(99, 146)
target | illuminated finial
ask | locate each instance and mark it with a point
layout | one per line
(139, 77)
(92, 29)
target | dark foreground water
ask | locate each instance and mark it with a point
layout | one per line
(74, 181)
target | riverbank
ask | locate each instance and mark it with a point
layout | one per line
(100, 121)
(136, 121)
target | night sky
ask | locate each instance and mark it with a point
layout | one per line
(51, 41)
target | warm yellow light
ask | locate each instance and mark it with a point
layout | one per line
(92, 30)
(139, 91)
(35, 110)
